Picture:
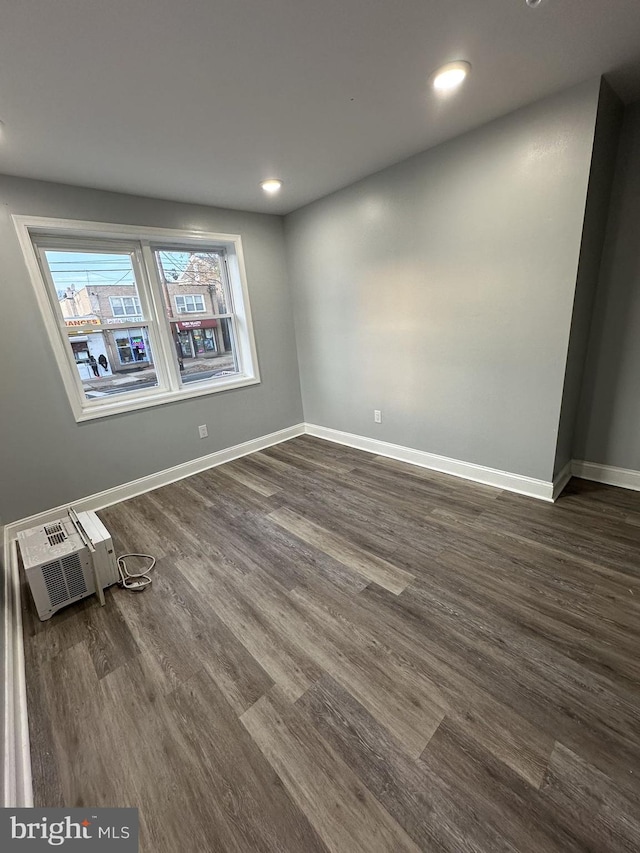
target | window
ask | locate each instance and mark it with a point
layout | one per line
(133, 346)
(206, 345)
(114, 301)
(125, 306)
(190, 303)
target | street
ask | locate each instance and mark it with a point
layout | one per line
(106, 386)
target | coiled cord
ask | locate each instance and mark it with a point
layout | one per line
(135, 581)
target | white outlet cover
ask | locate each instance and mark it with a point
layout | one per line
(203, 431)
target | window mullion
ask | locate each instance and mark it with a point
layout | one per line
(164, 329)
(149, 319)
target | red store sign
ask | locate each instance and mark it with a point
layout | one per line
(185, 325)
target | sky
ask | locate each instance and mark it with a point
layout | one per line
(96, 268)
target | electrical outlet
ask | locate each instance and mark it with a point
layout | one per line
(202, 431)
(377, 416)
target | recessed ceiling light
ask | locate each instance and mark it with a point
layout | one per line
(533, 3)
(271, 186)
(450, 76)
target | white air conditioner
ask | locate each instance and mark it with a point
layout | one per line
(67, 560)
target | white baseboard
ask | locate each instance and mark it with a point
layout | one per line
(541, 489)
(108, 497)
(17, 788)
(16, 784)
(560, 481)
(626, 478)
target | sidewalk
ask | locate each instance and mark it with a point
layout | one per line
(148, 374)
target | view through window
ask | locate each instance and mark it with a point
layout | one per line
(98, 297)
(194, 283)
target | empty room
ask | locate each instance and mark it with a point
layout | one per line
(320, 426)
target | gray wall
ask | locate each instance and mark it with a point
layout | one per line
(608, 427)
(440, 290)
(603, 162)
(46, 458)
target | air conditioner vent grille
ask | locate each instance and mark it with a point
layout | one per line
(55, 583)
(55, 533)
(74, 575)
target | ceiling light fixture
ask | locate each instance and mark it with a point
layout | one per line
(271, 185)
(450, 76)
(533, 3)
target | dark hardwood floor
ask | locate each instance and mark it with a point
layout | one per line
(342, 652)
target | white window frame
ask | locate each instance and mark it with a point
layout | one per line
(193, 296)
(119, 299)
(139, 242)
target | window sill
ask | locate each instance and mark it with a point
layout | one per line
(122, 406)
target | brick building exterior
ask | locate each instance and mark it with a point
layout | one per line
(192, 299)
(101, 306)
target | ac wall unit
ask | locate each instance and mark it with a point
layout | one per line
(67, 560)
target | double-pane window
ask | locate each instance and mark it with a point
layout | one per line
(191, 303)
(124, 306)
(137, 322)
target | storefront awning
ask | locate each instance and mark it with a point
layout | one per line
(73, 322)
(185, 325)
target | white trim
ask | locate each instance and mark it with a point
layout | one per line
(100, 500)
(167, 397)
(70, 227)
(17, 785)
(541, 489)
(17, 789)
(17, 766)
(625, 478)
(560, 481)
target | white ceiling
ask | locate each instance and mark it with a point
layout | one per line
(198, 100)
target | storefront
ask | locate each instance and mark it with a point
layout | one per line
(88, 342)
(114, 350)
(197, 338)
(131, 347)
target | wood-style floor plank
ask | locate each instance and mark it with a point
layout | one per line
(198, 638)
(546, 687)
(604, 815)
(400, 696)
(341, 652)
(341, 808)
(240, 610)
(521, 745)
(249, 793)
(416, 798)
(509, 807)
(368, 565)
